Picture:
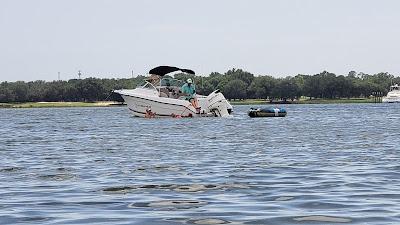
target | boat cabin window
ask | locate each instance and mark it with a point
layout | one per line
(395, 88)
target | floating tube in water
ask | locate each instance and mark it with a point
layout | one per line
(267, 112)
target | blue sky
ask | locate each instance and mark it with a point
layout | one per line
(109, 39)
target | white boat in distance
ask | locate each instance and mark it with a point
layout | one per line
(162, 97)
(393, 96)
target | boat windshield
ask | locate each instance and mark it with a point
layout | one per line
(171, 82)
(166, 84)
(146, 84)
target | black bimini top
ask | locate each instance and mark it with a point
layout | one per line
(162, 70)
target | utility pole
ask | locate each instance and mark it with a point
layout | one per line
(79, 74)
(59, 76)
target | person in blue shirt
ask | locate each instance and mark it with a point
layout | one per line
(190, 93)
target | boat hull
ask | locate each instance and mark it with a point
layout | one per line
(160, 107)
(391, 100)
(148, 103)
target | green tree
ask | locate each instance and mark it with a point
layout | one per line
(261, 87)
(235, 89)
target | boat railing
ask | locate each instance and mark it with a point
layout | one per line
(148, 85)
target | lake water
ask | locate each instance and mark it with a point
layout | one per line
(322, 164)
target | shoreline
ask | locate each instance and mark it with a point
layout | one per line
(304, 101)
(233, 102)
(59, 104)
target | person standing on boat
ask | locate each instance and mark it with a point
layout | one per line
(190, 93)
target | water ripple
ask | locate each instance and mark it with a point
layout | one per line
(322, 164)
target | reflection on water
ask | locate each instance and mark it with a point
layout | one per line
(322, 164)
(323, 219)
(174, 187)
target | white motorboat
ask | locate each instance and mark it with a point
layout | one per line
(161, 96)
(393, 95)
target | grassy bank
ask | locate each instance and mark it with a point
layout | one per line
(336, 101)
(249, 102)
(57, 104)
(304, 101)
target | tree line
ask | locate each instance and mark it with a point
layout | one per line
(235, 84)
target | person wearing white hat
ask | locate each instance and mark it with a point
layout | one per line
(190, 93)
